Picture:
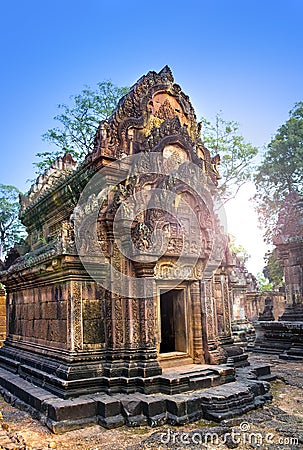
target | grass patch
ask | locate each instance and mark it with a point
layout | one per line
(204, 423)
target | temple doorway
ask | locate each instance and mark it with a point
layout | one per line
(173, 321)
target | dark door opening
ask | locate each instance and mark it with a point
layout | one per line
(173, 324)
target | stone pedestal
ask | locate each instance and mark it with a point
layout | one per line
(244, 333)
(292, 313)
(283, 337)
(267, 314)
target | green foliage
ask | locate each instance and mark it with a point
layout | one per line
(11, 229)
(78, 123)
(263, 283)
(273, 270)
(236, 155)
(238, 249)
(281, 170)
(272, 277)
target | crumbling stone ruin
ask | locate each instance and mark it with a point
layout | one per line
(267, 313)
(285, 336)
(125, 287)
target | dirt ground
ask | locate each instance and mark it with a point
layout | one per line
(278, 425)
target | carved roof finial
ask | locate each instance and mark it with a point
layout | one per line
(167, 73)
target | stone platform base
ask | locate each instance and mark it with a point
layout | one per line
(244, 333)
(83, 375)
(236, 356)
(280, 338)
(215, 403)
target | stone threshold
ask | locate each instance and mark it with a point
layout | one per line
(59, 415)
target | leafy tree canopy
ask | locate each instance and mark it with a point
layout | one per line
(11, 229)
(264, 285)
(238, 249)
(78, 123)
(281, 170)
(273, 270)
(236, 156)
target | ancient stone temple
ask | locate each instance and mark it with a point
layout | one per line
(285, 336)
(240, 281)
(124, 277)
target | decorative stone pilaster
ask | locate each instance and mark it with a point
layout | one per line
(76, 315)
(198, 351)
(144, 267)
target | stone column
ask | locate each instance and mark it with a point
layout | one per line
(208, 321)
(198, 351)
(145, 270)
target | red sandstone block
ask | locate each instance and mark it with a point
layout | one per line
(62, 336)
(62, 310)
(30, 311)
(53, 330)
(49, 310)
(37, 311)
(25, 312)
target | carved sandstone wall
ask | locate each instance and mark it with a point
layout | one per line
(87, 303)
(254, 304)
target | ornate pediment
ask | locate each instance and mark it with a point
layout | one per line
(152, 101)
(170, 128)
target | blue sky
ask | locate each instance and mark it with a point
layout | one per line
(241, 57)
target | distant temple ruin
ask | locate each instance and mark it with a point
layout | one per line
(285, 336)
(127, 273)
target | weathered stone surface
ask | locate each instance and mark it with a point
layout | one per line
(74, 325)
(285, 337)
(267, 314)
(216, 403)
(118, 284)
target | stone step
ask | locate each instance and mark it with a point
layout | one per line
(256, 372)
(260, 369)
(204, 382)
(206, 372)
(190, 374)
(291, 356)
(174, 361)
(187, 379)
(215, 403)
(268, 378)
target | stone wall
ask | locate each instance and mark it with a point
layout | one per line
(39, 315)
(255, 302)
